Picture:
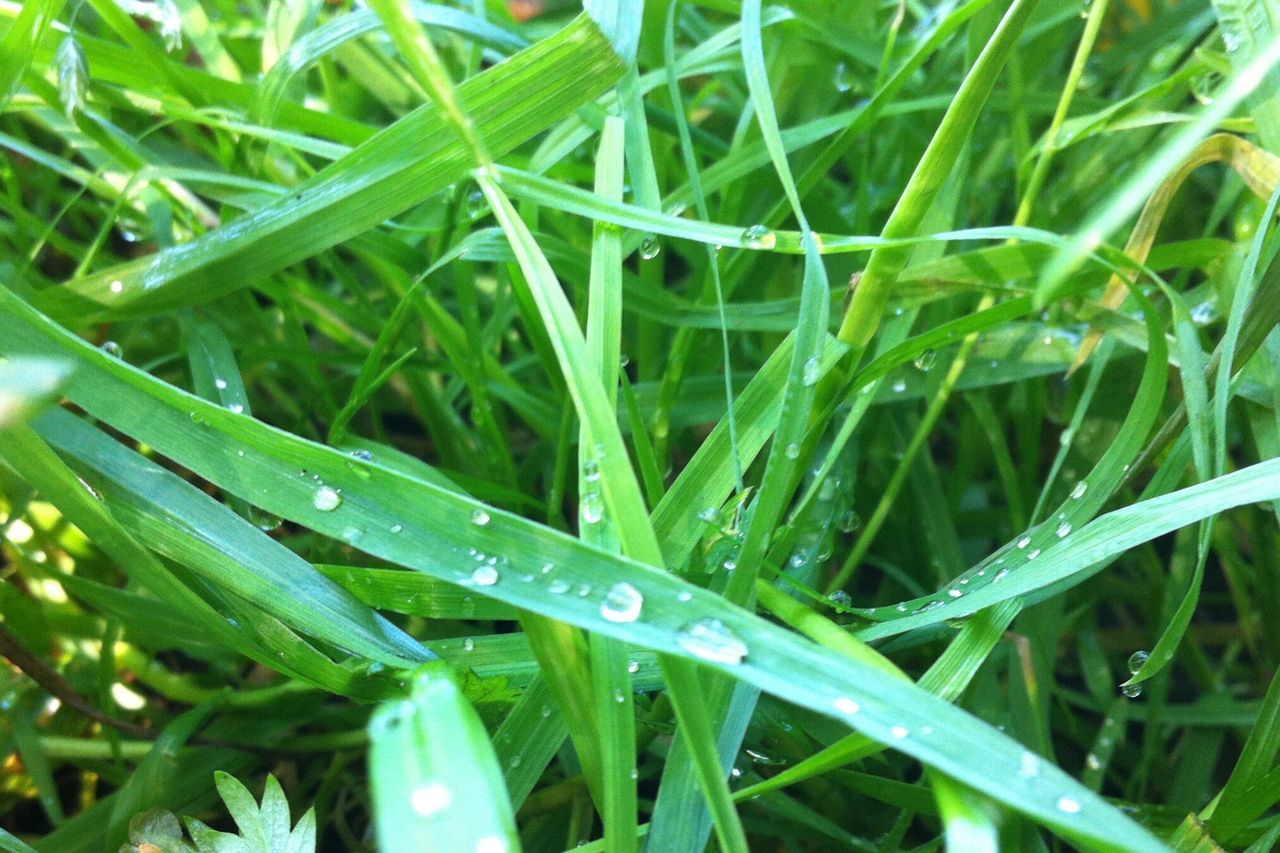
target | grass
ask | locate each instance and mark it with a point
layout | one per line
(473, 427)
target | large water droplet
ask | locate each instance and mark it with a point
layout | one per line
(112, 349)
(1064, 530)
(479, 517)
(712, 641)
(485, 575)
(1078, 492)
(812, 369)
(592, 508)
(1024, 542)
(650, 247)
(759, 237)
(1132, 691)
(840, 598)
(326, 499)
(792, 451)
(926, 359)
(1136, 661)
(622, 603)
(591, 471)
(844, 78)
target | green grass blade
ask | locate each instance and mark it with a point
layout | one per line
(435, 779)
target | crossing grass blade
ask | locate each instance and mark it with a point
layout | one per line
(775, 660)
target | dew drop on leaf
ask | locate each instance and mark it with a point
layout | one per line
(622, 603)
(759, 237)
(592, 508)
(812, 369)
(485, 575)
(712, 641)
(326, 499)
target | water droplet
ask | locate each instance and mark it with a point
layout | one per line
(650, 247)
(1033, 553)
(479, 517)
(1068, 805)
(926, 360)
(844, 78)
(590, 470)
(592, 508)
(840, 598)
(812, 369)
(263, 520)
(558, 586)
(759, 237)
(362, 454)
(1064, 530)
(431, 798)
(117, 286)
(954, 593)
(1078, 492)
(684, 596)
(396, 528)
(326, 499)
(220, 384)
(236, 408)
(1133, 691)
(1024, 541)
(1092, 762)
(633, 666)
(622, 604)
(1029, 766)
(197, 417)
(1136, 661)
(849, 521)
(845, 705)
(619, 696)
(899, 386)
(899, 731)
(792, 451)
(485, 575)
(112, 349)
(712, 641)
(469, 645)
(476, 205)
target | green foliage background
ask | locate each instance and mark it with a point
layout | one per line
(499, 426)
